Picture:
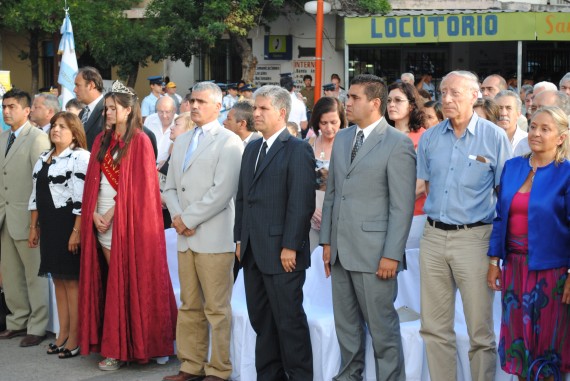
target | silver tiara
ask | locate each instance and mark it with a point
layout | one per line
(118, 87)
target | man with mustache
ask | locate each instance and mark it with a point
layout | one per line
(510, 106)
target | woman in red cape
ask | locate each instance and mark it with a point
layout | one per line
(127, 309)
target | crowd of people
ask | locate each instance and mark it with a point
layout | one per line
(257, 179)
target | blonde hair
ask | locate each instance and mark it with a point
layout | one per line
(561, 120)
(185, 116)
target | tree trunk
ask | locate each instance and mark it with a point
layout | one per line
(248, 60)
(34, 58)
(133, 74)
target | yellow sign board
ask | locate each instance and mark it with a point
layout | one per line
(513, 26)
(553, 26)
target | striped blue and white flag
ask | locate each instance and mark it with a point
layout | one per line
(68, 67)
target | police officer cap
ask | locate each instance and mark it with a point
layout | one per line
(329, 87)
(155, 80)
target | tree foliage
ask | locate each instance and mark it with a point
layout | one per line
(99, 26)
(192, 27)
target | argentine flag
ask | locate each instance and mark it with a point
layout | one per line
(68, 67)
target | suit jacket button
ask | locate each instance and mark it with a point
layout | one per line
(348, 176)
(183, 189)
(343, 197)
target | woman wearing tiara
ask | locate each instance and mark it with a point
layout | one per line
(127, 308)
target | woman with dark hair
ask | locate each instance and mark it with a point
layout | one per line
(531, 236)
(55, 205)
(327, 118)
(404, 113)
(129, 315)
(432, 114)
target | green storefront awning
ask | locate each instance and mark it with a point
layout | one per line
(436, 27)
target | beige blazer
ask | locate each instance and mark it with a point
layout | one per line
(16, 178)
(204, 193)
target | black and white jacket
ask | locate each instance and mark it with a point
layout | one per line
(66, 178)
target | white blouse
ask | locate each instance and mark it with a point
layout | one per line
(66, 176)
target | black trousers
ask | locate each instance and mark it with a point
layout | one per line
(275, 306)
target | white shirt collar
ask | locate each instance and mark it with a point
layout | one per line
(93, 104)
(208, 126)
(17, 132)
(273, 138)
(366, 130)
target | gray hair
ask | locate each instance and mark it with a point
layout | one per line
(545, 85)
(50, 101)
(409, 76)
(566, 78)
(244, 111)
(526, 88)
(562, 100)
(212, 88)
(512, 94)
(469, 76)
(279, 97)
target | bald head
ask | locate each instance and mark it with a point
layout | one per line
(492, 85)
(165, 108)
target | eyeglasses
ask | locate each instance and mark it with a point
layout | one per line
(397, 101)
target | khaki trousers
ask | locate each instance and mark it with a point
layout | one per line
(206, 282)
(451, 260)
(26, 293)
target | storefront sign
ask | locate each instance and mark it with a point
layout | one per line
(302, 68)
(267, 74)
(513, 26)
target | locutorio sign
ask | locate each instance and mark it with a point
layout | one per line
(514, 26)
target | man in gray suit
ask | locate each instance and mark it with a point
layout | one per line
(26, 293)
(367, 214)
(200, 188)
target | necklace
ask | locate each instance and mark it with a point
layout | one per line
(533, 168)
(322, 155)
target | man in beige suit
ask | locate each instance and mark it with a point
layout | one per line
(200, 187)
(26, 293)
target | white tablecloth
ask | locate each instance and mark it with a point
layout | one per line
(318, 307)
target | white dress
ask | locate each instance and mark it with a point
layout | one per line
(105, 201)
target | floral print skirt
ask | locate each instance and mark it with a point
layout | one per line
(535, 325)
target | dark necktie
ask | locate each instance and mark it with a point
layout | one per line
(85, 116)
(262, 154)
(10, 142)
(357, 145)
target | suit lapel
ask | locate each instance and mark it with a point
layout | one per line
(277, 145)
(18, 142)
(371, 141)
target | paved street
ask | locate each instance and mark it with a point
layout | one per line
(30, 364)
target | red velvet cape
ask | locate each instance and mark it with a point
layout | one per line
(133, 316)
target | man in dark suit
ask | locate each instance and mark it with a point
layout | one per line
(89, 90)
(367, 214)
(274, 205)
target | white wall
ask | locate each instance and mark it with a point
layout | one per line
(302, 28)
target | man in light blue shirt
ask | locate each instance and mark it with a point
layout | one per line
(461, 160)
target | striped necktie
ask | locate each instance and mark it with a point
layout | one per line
(85, 116)
(10, 142)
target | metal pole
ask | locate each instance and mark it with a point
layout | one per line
(319, 50)
(519, 65)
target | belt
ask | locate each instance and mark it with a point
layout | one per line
(443, 226)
